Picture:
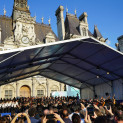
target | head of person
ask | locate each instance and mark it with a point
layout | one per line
(3, 120)
(65, 113)
(119, 116)
(46, 112)
(32, 112)
(76, 118)
(82, 114)
(51, 110)
(76, 108)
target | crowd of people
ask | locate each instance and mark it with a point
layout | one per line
(60, 110)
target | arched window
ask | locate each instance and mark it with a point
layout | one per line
(41, 91)
(54, 88)
(84, 31)
(8, 92)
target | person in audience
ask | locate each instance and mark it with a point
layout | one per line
(60, 110)
(66, 116)
(76, 110)
(20, 118)
(76, 118)
(32, 112)
(55, 119)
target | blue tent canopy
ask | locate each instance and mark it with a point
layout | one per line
(78, 62)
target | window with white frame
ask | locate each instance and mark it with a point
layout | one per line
(8, 94)
(40, 93)
(84, 32)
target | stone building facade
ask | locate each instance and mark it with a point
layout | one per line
(22, 30)
(119, 45)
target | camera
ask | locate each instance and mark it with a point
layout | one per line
(50, 116)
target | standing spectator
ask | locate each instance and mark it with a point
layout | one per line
(32, 112)
(65, 116)
(20, 115)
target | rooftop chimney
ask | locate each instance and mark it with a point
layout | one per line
(60, 23)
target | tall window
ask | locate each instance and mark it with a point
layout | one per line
(40, 93)
(22, 5)
(8, 94)
(53, 91)
(84, 31)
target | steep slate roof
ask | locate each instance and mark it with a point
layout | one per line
(97, 33)
(90, 34)
(72, 25)
(42, 30)
(6, 27)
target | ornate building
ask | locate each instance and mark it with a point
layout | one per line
(22, 30)
(74, 27)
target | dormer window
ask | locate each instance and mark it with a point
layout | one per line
(84, 32)
(49, 38)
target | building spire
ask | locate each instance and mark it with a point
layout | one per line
(4, 10)
(28, 7)
(96, 32)
(35, 17)
(75, 12)
(98, 35)
(49, 20)
(66, 9)
(42, 20)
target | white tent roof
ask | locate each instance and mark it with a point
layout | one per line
(78, 62)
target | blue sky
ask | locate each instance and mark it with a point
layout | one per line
(106, 14)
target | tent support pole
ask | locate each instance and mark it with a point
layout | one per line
(94, 91)
(112, 88)
(80, 93)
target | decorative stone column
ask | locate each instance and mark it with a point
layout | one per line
(33, 87)
(112, 89)
(80, 93)
(0, 34)
(60, 86)
(60, 22)
(17, 89)
(0, 93)
(47, 85)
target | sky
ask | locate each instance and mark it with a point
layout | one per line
(106, 14)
